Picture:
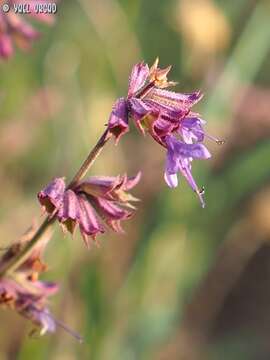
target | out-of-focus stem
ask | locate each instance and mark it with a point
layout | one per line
(22, 256)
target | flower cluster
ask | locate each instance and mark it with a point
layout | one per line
(14, 28)
(89, 201)
(23, 292)
(93, 203)
(167, 117)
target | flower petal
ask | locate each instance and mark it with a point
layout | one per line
(161, 128)
(173, 99)
(195, 151)
(179, 158)
(191, 130)
(138, 108)
(140, 112)
(103, 186)
(110, 210)
(183, 150)
(171, 179)
(69, 210)
(41, 317)
(137, 78)
(118, 121)
(52, 196)
(167, 111)
(89, 224)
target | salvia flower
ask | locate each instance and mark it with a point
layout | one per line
(23, 292)
(166, 116)
(90, 204)
(29, 297)
(179, 158)
(15, 29)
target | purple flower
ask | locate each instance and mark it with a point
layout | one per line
(179, 159)
(166, 115)
(90, 202)
(29, 298)
(41, 317)
(151, 106)
(23, 292)
(191, 129)
(13, 27)
(52, 196)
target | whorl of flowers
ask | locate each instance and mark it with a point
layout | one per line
(90, 202)
(167, 117)
(23, 292)
(100, 201)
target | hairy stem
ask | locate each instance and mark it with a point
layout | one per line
(22, 256)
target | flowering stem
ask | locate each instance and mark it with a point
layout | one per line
(18, 260)
(90, 158)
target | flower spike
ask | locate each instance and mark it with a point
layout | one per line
(168, 118)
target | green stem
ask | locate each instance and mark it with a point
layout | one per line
(22, 256)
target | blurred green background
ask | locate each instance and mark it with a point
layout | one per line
(183, 282)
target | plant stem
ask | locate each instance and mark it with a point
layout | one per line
(90, 159)
(21, 257)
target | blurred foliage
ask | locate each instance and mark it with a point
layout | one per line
(183, 283)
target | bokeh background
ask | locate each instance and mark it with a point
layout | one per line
(184, 282)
